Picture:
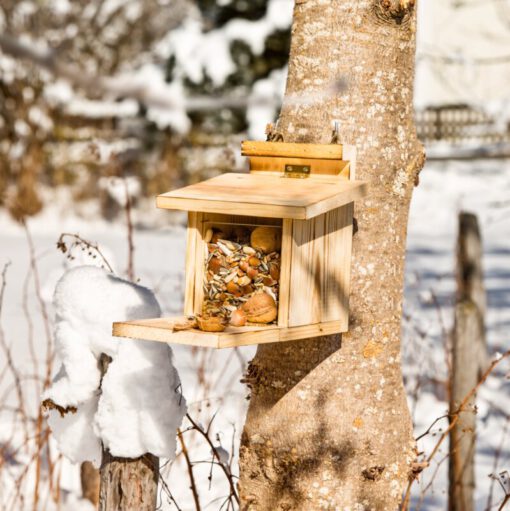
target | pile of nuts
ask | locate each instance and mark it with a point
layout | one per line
(242, 276)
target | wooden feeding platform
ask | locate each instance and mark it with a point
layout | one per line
(300, 194)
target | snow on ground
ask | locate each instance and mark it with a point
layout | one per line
(210, 379)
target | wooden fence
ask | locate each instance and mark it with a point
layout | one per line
(459, 124)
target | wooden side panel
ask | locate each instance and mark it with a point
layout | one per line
(304, 274)
(350, 156)
(192, 236)
(199, 264)
(320, 269)
(285, 266)
(336, 270)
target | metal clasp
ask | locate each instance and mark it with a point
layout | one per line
(297, 171)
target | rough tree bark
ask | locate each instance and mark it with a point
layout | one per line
(469, 360)
(127, 484)
(328, 425)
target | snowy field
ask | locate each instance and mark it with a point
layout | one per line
(210, 379)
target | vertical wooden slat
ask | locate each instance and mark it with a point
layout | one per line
(285, 265)
(337, 263)
(200, 254)
(320, 269)
(305, 284)
(191, 245)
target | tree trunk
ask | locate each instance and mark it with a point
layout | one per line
(328, 425)
(469, 358)
(463, 436)
(470, 284)
(127, 484)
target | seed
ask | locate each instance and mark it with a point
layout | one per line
(224, 248)
(208, 235)
(230, 276)
(244, 281)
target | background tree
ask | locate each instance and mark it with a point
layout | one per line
(328, 425)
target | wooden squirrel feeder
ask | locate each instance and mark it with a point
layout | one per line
(302, 195)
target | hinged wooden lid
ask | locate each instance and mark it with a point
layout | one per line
(264, 195)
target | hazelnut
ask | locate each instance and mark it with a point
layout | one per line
(214, 264)
(238, 318)
(233, 288)
(254, 261)
(248, 290)
(252, 273)
(260, 308)
(268, 281)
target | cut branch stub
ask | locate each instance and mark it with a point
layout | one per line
(398, 11)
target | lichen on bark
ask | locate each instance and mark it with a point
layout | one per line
(328, 425)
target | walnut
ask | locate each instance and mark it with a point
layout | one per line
(260, 308)
(266, 239)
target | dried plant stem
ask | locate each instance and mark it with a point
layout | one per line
(454, 418)
(87, 243)
(49, 356)
(129, 224)
(189, 465)
(495, 463)
(504, 503)
(226, 469)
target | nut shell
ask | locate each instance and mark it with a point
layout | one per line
(215, 264)
(234, 289)
(266, 239)
(274, 271)
(211, 323)
(260, 308)
(238, 318)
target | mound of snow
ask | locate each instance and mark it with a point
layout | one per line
(139, 406)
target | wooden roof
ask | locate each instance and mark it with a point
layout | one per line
(265, 195)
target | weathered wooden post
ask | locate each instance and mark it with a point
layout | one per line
(469, 356)
(127, 484)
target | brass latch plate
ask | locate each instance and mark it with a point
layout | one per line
(297, 171)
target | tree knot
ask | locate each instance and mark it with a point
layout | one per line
(399, 11)
(373, 473)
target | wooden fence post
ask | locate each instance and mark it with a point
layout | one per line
(127, 484)
(469, 356)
